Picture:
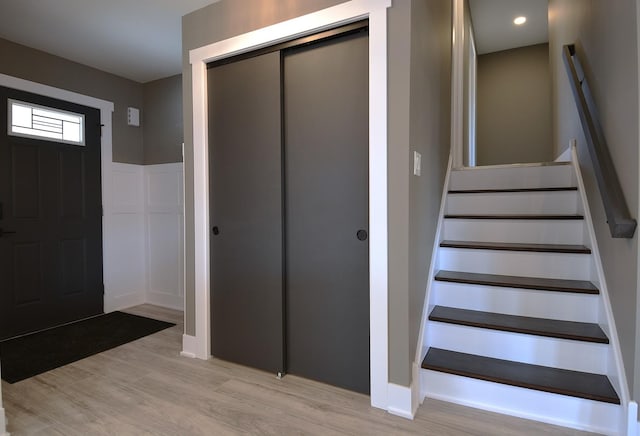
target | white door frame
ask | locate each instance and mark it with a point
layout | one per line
(473, 99)
(457, 84)
(376, 12)
(106, 158)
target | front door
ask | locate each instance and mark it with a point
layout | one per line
(50, 215)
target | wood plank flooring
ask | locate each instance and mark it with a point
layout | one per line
(146, 388)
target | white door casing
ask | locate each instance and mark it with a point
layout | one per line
(376, 12)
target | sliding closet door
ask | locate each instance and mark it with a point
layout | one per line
(245, 161)
(326, 148)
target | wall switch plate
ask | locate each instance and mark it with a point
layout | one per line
(133, 117)
(417, 163)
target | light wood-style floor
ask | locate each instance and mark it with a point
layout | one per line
(145, 387)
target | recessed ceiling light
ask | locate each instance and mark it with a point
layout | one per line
(520, 20)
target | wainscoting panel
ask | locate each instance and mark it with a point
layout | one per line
(164, 218)
(127, 254)
(146, 240)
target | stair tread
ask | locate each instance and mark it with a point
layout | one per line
(559, 381)
(514, 216)
(553, 328)
(507, 190)
(510, 246)
(545, 284)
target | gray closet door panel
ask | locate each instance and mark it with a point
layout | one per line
(326, 167)
(246, 208)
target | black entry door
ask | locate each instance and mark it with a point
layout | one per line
(51, 224)
(326, 148)
(246, 212)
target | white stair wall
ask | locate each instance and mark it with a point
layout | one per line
(536, 350)
(615, 366)
(556, 265)
(515, 301)
(554, 202)
(513, 177)
(527, 231)
(560, 353)
(540, 406)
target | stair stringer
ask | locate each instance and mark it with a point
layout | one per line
(615, 372)
(594, 416)
(525, 403)
(418, 392)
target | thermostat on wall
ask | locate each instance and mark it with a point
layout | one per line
(133, 116)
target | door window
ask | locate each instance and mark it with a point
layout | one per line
(34, 121)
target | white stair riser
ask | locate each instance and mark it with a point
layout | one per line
(514, 301)
(525, 231)
(519, 347)
(525, 403)
(538, 203)
(512, 177)
(515, 263)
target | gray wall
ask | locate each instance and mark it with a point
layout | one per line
(419, 120)
(210, 24)
(162, 120)
(514, 106)
(233, 17)
(38, 66)
(606, 33)
(430, 135)
(399, 150)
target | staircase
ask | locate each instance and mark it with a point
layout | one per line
(516, 319)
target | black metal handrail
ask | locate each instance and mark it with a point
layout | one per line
(619, 219)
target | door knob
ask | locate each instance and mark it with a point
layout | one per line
(3, 232)
(361, 235)
(215, 230)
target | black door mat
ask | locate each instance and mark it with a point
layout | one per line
(36, 353)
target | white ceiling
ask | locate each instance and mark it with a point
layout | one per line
(137, 39)
(494, 28)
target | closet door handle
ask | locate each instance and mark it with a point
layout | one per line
(361, 235)
(215, 230)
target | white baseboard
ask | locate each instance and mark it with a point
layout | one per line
(170, 301)
(189, 346)
(399, 398)
(416, 388)
(633, 425)
(111, 304)
(404, 401)
(3, 423)
(565, 156)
